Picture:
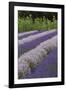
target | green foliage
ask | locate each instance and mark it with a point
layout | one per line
(21, 24)
(27, 24)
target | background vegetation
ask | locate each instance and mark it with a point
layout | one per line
(31, 20)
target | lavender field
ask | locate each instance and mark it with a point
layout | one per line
(37, 54)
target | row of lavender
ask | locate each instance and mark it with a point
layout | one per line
(33, 48)
(32, 41)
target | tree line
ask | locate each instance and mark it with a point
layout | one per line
(33, 20)
(35, 14)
